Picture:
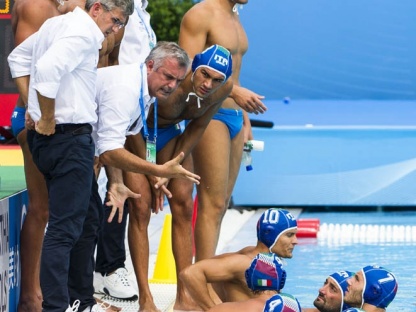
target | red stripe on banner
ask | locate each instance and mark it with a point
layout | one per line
(7, 104)
(5, 16)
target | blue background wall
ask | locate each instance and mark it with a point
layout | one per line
(331, 49)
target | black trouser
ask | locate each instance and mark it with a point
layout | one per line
(66, 160)
(111, 250)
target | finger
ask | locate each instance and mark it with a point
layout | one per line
(120, 215)
(112, 213)
(192, 176)
(166, 191)
(180, 157)
(134, 195)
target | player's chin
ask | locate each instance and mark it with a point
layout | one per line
(289, 254)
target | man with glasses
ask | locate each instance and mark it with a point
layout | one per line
(27, 17)
(61, 103)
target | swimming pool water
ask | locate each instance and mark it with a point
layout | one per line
(350, 241)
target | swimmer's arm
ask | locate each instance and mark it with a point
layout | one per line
(22, 84)
(194, 131)
(193, 33)
(196, 128)
(218, 269)
(248, 100)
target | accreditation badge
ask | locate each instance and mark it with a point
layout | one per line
(151, 151)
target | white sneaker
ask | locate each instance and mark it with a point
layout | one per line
(98, 283)
(118, 286)
(74, 307)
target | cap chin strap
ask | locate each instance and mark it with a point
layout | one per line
(365, 285)
(236, 7)
(197, 98)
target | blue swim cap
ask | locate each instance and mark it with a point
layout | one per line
(266, 273)
(273, 223)
(340, 279)
(380, 286)
(353, 310)
(216, 58)
(282, 303)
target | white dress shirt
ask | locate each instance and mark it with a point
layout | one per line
(64, 67)
(138, 37)
(118, 92)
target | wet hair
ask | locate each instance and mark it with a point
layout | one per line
(166, 49)
(126, 6)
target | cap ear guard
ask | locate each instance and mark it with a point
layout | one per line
(373, 292)
(196, 61)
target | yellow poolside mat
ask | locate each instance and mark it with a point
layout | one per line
(11, 155)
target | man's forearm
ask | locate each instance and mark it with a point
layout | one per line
(47, 107)
(124, 160)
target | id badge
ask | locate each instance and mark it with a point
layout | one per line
(151, 151)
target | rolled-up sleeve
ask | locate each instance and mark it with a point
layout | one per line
(20, 59)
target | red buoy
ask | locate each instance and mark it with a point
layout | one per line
(307, 228)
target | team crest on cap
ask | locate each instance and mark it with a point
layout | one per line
(216, 58)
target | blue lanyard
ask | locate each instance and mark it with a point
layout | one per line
(150, 33)
(141, 101)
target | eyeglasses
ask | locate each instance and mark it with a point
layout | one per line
(116, 21)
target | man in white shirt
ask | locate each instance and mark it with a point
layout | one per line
(111, 274)
(196, 100)
(61, 103)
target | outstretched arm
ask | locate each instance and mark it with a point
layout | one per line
(123, 159)
(248, 100)
(219, 269)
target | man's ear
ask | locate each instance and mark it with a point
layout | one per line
(96, 9)
(150, 65)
